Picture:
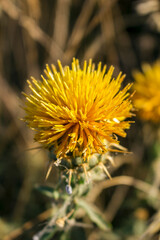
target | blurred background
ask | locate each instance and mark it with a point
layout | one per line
(122, 33)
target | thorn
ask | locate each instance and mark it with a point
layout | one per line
(85, 172)
(70, 176)
(109, 158)
(69, 214)
(49, 170)
(105, 170)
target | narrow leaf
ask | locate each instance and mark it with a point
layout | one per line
(48, 191)
(93, 214)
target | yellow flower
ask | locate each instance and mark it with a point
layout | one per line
(78, 111)
(147, 97)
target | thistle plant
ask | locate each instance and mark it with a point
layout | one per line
(77, 115)
(147, 103)
(147, 97)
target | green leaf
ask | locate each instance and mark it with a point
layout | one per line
(65, 236)
(93, 214)
(48, 235)
(48, 191)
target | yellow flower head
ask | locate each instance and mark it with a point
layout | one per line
(147, 97)
(76, 111)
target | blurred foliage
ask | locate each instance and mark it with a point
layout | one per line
(117, 32)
